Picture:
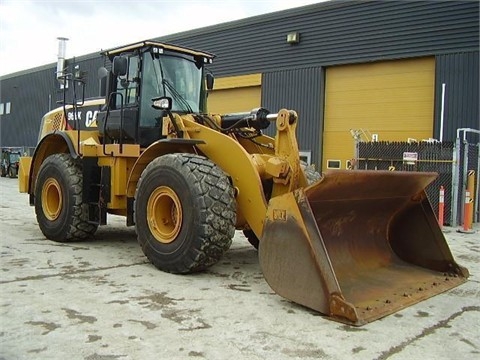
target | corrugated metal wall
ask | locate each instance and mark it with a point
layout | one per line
(338, 32)
(460, 74)
(335, 32)
(301, 90)
(28, 94)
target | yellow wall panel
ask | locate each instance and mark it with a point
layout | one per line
(231, 82)
(234, 100)
(393, 99)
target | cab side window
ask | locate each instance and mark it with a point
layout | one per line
(128, 84)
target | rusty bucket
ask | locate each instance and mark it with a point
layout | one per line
(357, 245)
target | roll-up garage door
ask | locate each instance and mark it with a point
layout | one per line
(389, 101)
(235, 94)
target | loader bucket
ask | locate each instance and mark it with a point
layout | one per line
(357, 245)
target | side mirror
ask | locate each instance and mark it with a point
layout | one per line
(210, 80)
(102, 78)
(120, 65)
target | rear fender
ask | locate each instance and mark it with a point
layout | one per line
(53, 143)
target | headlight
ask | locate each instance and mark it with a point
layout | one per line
(162, 103)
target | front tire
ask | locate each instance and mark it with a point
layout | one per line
(184, 213)
(61, 213)
(252, 238)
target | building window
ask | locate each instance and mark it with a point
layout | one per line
(334, 164)
(1, 108)
(7, 108)
(306, 156)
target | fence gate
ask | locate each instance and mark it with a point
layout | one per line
(465, 168)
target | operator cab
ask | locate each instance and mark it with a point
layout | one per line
(143, 72)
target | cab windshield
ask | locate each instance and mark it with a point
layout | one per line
(14, 157)
(175, 77)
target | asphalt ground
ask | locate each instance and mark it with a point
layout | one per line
(101, 299)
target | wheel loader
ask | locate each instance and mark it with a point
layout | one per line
(354, 245)
(9, 162)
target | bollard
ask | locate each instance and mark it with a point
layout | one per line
(441, 207)
(467, 216)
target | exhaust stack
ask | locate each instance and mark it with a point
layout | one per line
(62, 49)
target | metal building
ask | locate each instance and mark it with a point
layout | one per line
(383, 68)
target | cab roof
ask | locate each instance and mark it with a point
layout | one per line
(166, 46)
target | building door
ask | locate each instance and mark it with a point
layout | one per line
(384, 101)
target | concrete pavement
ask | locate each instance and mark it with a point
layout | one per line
(101, 299)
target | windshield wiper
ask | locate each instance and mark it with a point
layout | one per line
(177, 96)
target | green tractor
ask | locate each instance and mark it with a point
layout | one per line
(9, 163)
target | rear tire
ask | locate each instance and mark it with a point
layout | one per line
(184, 213)
(12, 172)
(61, 214)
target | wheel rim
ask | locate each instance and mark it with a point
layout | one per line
(51, 199)
(164, 214)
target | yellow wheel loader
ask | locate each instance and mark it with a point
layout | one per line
(354, 245)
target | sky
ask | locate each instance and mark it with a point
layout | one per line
(29, 28)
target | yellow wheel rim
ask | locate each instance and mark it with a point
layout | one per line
(164, 214)
(51, 199)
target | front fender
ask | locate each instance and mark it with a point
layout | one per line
(158, 148)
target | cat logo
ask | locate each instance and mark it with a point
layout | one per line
(90, 117)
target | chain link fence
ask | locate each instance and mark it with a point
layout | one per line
(439, 157)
